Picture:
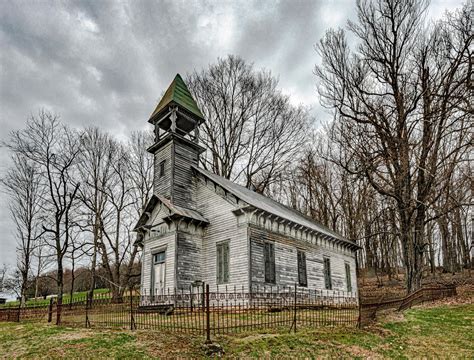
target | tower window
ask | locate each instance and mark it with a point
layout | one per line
(162, 168)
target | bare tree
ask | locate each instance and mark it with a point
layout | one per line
(54, 148)
(252, 132)
(117, 183)
(43, 258)
(98, 152)
(22, 184)
(141, 167)
(399, 102)
(76, 252)
(3, 275)
(118, 248)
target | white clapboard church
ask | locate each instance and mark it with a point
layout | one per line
(199, 227)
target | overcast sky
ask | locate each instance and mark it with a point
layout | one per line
(105, 63)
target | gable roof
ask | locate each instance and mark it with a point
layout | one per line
(178, 93)
(175, 210)
(271, 206)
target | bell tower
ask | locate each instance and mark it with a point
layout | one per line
(176, 120)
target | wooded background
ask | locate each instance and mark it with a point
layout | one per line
(392, 171)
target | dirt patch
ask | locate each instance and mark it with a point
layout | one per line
(357, 351)
(451, 301)
(380, 331)
(391, 315)
(76, 335)
(165, 346)
(255, 337)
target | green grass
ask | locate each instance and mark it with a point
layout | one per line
(439, 332)
(444, 332)
(66, 299)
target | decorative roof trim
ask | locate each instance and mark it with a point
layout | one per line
(297, 226)
(177, 212)
(170, 136)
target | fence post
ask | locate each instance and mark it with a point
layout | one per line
(208, 322)
(294, 315)
(359, 318)
(50, 310)
(19, 312)
(203, 300)
(132, 319)
(88, 299)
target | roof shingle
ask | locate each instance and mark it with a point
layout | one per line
(178, 93)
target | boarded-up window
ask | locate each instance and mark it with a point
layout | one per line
(348, 277)
(302, 278)
(223, 263)
(269, 254)
(162, 168)
(327, 274)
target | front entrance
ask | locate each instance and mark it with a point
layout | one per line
(159, 272)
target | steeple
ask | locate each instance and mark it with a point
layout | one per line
(177, 94)
(176, 119)
(177, 111)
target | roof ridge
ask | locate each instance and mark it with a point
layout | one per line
(322, 227)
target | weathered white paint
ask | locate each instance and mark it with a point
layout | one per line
(154, 245)
(286, 261)
(222, 226)
(191, 245)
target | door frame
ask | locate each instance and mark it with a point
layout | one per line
(153, 263)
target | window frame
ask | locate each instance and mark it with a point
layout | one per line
(347, 268)
(302, 268)
(159, 261)
(327, 273)
(269, 267)
(155, 262)
(221, 278)
(162, 168)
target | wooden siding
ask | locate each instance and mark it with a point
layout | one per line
(184, 157)
(155, 244)
(188, 259)
(286, 262)
(191, 252)
(223, 226)
(162, 185)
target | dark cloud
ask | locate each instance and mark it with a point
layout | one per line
(105, 63)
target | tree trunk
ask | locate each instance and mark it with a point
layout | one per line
(60, 283)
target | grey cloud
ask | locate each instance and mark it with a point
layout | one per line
(106, 63)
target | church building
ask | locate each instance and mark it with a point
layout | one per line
(199, 227)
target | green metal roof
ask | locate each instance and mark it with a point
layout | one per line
(179, 94)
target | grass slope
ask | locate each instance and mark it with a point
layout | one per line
(81, 295)
(444, 331)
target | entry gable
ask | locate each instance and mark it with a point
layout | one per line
(173, 212)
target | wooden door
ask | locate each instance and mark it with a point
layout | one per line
(159, 274)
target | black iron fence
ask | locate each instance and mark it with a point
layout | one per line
(202, 311)
(223, 310)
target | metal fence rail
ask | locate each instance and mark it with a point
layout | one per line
(369, 307)
(222, 311)
(201, 311)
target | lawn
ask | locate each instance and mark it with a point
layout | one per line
(81, 295)
(442, 331)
